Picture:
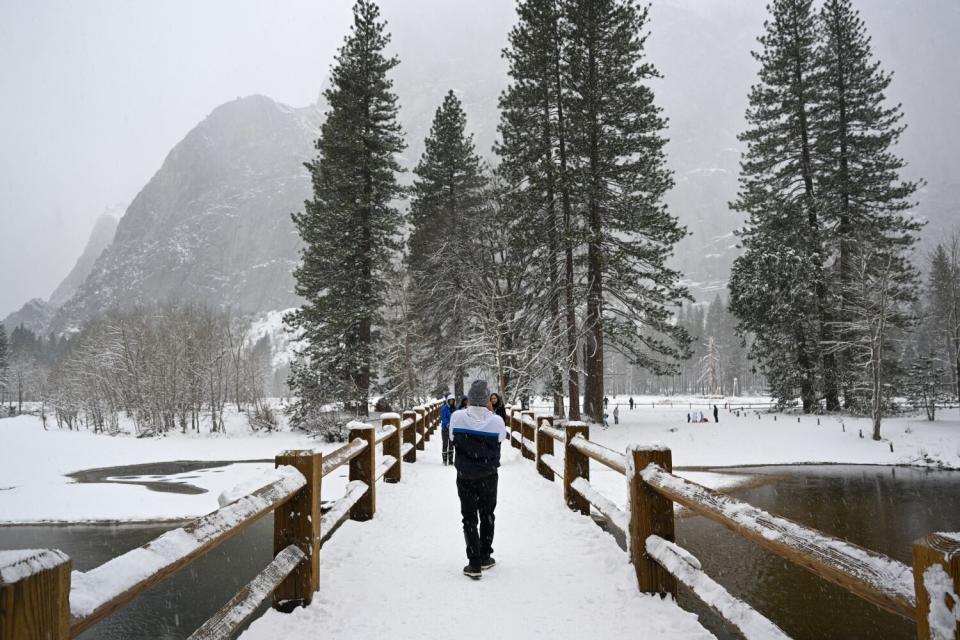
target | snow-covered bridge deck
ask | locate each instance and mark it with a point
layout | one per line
(399, 575)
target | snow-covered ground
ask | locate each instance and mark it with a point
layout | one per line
(34, 486)
(558, 575)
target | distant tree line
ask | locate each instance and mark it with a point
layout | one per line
(162, 367)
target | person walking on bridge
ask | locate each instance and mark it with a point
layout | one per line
(445, 412)
(477, 433)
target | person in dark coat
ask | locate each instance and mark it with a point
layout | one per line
(631, 403)
(446, 411)
(464, 403)
(477, 434)
(498, 407)
(716, 414)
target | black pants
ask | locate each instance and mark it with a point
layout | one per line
(447, 446)
(478, 500)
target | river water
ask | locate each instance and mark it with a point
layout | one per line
(881, 508)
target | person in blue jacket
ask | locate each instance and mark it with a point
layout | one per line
(445, 412)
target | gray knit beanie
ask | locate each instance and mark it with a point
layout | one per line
(478, 395)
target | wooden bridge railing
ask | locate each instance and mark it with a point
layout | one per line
(925, 593)
(39, 598)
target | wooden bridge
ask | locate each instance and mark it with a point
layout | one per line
(544, 588)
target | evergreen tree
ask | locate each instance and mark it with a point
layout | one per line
(534, 164)
(620, 178)
(4, 362)
(448, 194)
(859, 188)
(943, 290)
(777, 288)
(350, 227)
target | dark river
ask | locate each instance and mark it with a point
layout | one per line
(881, 508)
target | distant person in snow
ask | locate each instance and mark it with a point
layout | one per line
(498, 407)
(606, 401)
(449, 406)
(631, 403)
(477, 434)
(616, 414)
(716, 414)
(464, 403)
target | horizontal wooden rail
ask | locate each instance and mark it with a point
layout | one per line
(334, 517)
(225, 622)
(687, 569)
(405, 448)
(553, 432)
(386, 463)
(528, 445)
(385, 433)
(407, 423)
(551, 461)
(342, 456)
(617, 516)
(97, 593)
(529, 420)
(603, 455)
(872, 576)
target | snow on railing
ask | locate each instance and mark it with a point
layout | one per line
(225, 622)
(385, 433)
(607, 508)
(551, 461)
(343, 455)
(553, 432)
(872, 576)
(97, 592)
(600, 453)
(686, 568)
(386, 463)
(341, 508)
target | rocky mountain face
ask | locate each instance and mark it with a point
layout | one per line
(213, 225)
(100, 239)
(35, 315)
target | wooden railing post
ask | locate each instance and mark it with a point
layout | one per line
(423, 426)
(420, 427)
(575, 465)
(544, 446)
(298, 523)
(527, 433)
(391, 446)
(364, 468)
(936, 577)
(409, 436)
(513, 420)
(650, 514)
(35, 595)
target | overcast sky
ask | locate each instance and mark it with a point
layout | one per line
(95, 93)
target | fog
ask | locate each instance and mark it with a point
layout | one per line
(96, 94)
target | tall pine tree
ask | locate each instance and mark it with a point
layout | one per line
(859, 188)
(534, 165)
(350, 228)
(447, 195)
(777, 288)
(620, 177)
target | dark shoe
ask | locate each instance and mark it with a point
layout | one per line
(472, 571)
(488, 563)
